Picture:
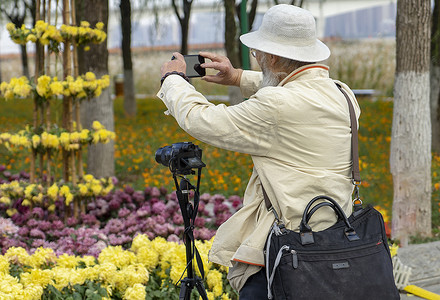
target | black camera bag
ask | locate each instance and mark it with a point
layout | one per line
(350, 260)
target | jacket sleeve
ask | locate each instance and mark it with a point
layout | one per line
(248, 127)
(250, 83)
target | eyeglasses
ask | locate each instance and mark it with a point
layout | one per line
(253, 52)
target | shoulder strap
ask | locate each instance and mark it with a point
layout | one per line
(354, 138)
(266, 198)
(356, 175)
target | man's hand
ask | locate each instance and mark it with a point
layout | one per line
(178, 64)
(227, 74)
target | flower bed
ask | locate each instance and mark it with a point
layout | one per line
(126, 245)
(147, 268)
(113, 219)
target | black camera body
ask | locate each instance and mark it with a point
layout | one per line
(181, 157)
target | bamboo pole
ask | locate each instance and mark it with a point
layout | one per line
(49, 159)
(48, 123)
(40, 123)
(79, 204)
(67, 99)
(35, 110)
(72, 152)
(48, 52)
(77, 102)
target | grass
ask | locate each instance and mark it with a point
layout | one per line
(364, 64)
(226, 172)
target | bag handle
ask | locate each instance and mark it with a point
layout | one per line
(356, 177)
(305, 229)
(316, 207)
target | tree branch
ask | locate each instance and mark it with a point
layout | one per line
(177, 12)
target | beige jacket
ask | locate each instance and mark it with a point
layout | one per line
(298, 135)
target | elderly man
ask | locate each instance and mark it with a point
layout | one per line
(295, 125)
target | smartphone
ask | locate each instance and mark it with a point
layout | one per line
(193, 68)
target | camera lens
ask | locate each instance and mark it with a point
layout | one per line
(163, 155)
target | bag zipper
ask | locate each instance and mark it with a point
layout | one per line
(295, 253)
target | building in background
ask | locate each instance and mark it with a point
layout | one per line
(342, 19)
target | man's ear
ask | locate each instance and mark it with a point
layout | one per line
(273, 60)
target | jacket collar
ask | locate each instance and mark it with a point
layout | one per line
(306, 72)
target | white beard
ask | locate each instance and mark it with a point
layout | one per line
(269, 78)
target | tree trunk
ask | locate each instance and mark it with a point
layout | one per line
(100, 160)
(232, 47)
(435, 77)
(17, 15)
(410, 157)
(251, 17)
(129, 95)
(231, 33)
(24, 61)
(292, 2)
(184, 23)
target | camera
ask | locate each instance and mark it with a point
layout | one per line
(181, 158)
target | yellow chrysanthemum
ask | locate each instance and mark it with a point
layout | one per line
(10, 27)
(36, 140)
(90, 76)
(83, 189)
(57, 88)
(140, 241)
(148, 257)
(89, 260)
(43, 86)
(393, 249)
(64, 139)
(36, 277)
(17, 255)
(84, 134)
(136, 292)
(96, 125)
(51, 208)
(117, 256)
(69, 198)
(31, 38)
(68, 261)
(52, 191)
(134, 274)
(99, 25)
(215, 282)
(5, 200)
(12, 211)
(225, 297)
(4, 265)
(26, 202)
(64, 190)
(210, 295)
(28, 190)
(42, 256)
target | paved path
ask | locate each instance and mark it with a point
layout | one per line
(424, 259)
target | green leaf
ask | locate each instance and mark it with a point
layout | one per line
(102, 291)
(77, 296)
(81, 289)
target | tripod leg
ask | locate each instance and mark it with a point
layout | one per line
(186, 289)
(201, 289)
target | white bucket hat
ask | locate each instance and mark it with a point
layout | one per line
(288, 31)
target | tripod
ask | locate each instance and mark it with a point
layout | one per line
(189, 214)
